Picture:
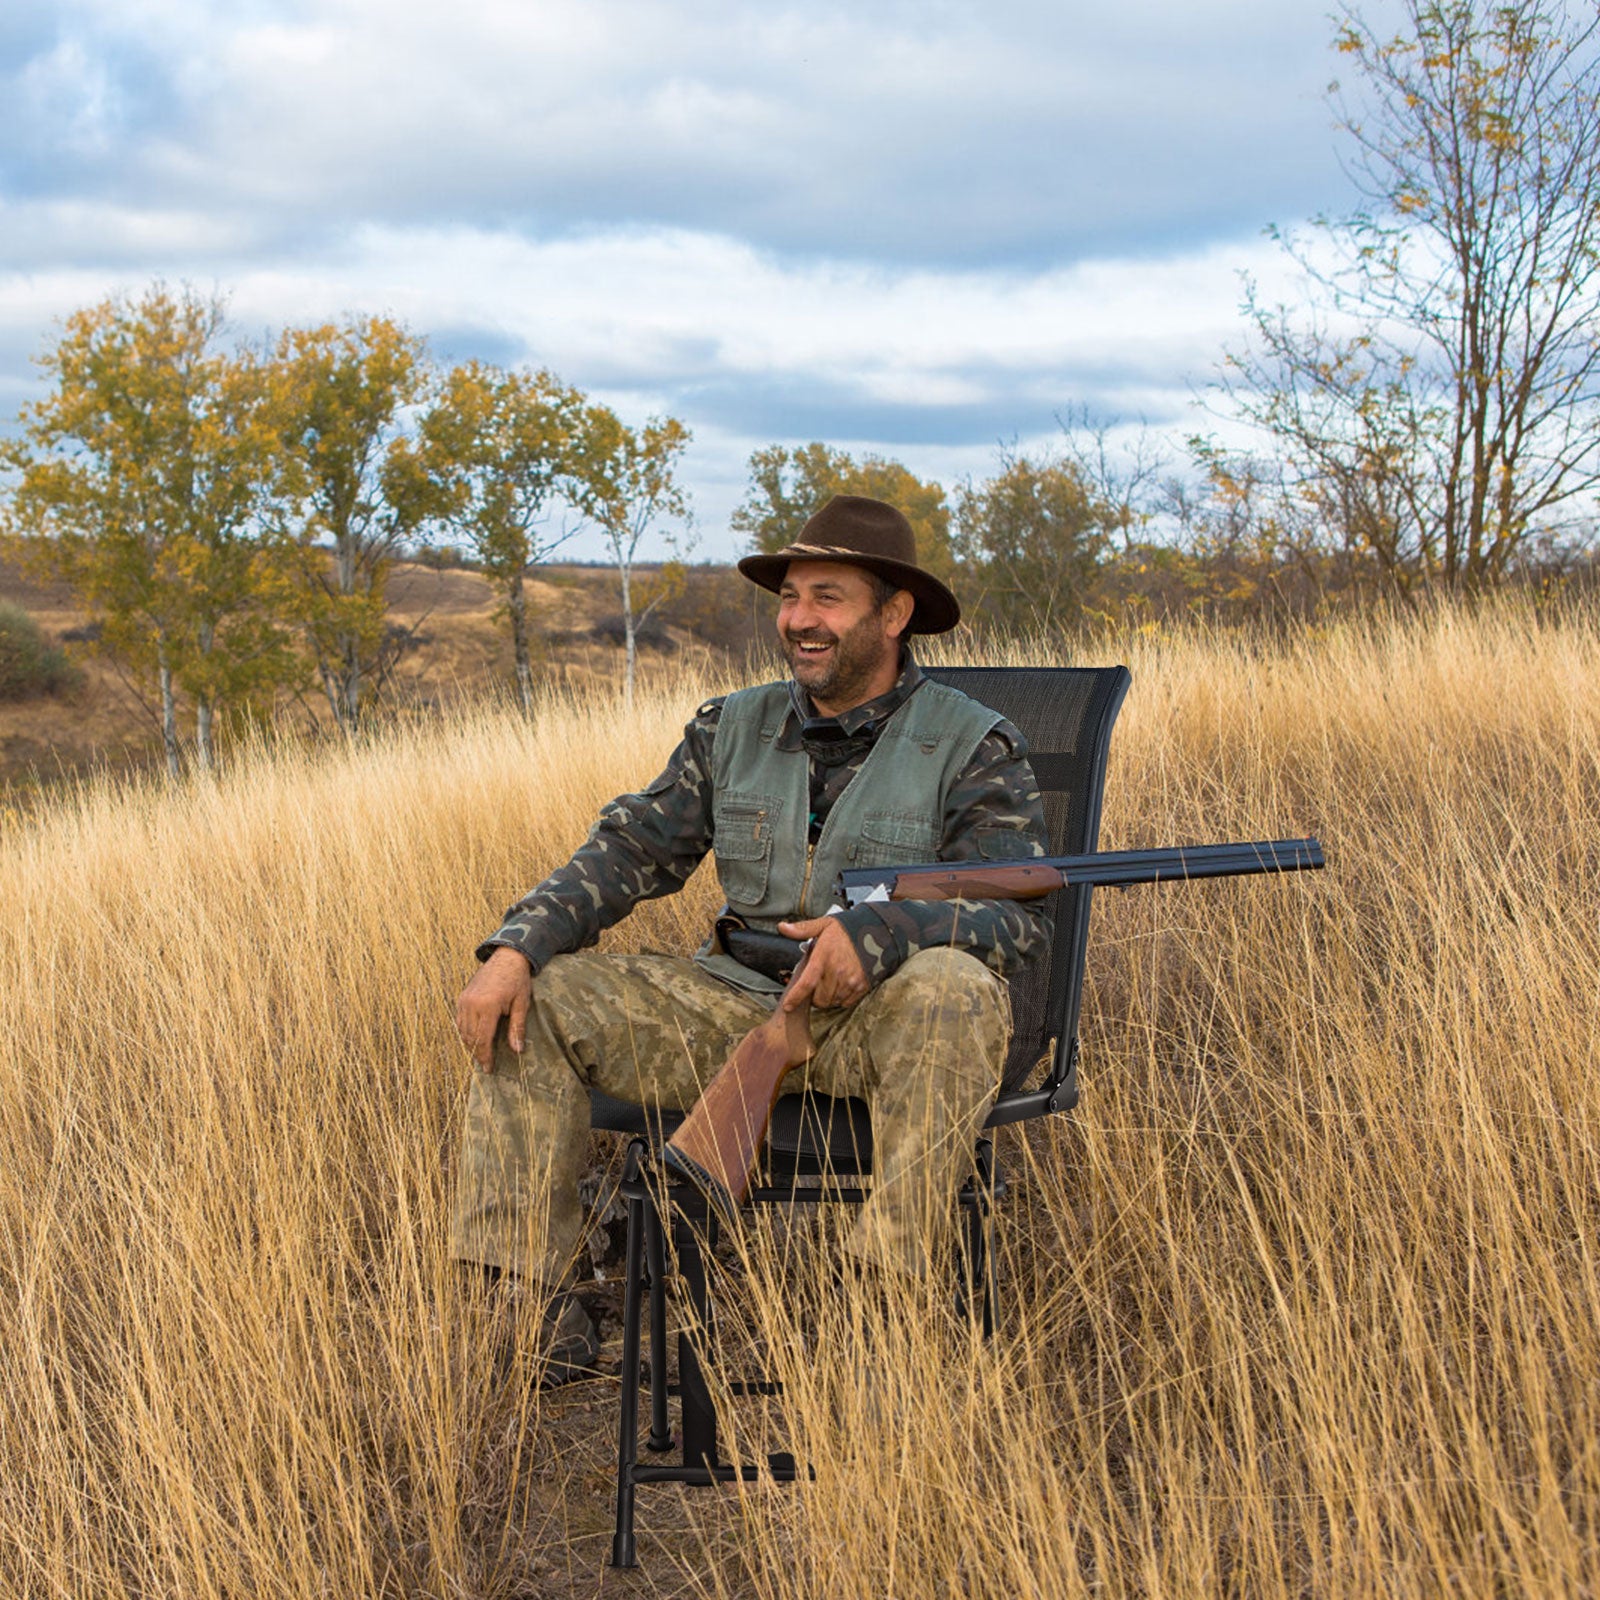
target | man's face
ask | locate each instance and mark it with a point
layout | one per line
(842, 649)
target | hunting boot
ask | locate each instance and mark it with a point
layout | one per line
(569, 1345)
(564, 1347)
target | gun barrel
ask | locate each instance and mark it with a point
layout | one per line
(1104, 868)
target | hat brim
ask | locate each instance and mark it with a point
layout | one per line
(936, 609)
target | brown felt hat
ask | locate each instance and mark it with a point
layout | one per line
(866, 533)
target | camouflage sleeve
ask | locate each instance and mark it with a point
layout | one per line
(993, 812)
(644, 846)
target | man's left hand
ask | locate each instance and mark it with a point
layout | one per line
(833, 977)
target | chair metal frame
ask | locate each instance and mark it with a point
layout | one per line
(815, 1136)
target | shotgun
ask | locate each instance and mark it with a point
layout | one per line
(717, 1144)
(1034, 876)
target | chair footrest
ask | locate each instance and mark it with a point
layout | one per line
(780, 1467)
(998, 1189)
(742, 1387)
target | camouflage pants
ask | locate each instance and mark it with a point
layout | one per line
(924, 1050)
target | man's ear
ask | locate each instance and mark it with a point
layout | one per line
(897, 611)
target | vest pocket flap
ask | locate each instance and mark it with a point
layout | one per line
(913, 836)
(996, 843)
(743, 828)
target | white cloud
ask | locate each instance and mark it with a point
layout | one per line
(72, 92)
(911, 227)
(40, 234)
(671, 307)
(892, 132)
(719, 333)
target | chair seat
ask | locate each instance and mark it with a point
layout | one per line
(813, 1132)
(611, 1115)
(809, 1132)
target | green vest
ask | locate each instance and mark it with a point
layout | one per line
(891, 812)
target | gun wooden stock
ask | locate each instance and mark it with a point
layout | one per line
(989, 880)
(717, 1144)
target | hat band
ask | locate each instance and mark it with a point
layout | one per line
(849, 552)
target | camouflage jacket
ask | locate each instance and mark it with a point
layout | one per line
(646, 845)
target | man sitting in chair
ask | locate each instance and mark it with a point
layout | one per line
(858, 760)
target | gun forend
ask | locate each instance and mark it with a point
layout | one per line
(1030, 877)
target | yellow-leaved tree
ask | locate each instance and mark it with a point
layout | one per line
(788, 485)
(501, 447)
(138, 480)
(625, 481)
(352, 488)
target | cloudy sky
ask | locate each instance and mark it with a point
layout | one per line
(919, 229)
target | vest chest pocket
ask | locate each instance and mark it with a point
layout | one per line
(892, 840)
(743, 843)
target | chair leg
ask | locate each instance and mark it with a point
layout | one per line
(660, 1439)
(975, 1282)
(694, 1235)
(699, 1412)
(985, 1229)
(623, 1553)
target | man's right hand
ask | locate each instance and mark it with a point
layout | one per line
(501, 987)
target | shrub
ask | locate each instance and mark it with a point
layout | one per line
(723, 608)
(648, 634)
(442, 557)
(28, 665)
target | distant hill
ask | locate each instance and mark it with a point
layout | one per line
(457, 646)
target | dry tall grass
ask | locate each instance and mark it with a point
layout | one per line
(1302, 1300)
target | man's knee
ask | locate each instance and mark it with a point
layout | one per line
(644, 1028)
(954, 981)
(573, 995)
(946, 1007)
(566, 994)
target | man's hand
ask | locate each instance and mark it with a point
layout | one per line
(501, 987)
(833, 976)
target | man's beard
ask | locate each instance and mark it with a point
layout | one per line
(847, 670)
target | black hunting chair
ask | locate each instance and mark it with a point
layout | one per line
(1066, 714)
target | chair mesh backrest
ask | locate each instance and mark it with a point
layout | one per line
(1066, 714)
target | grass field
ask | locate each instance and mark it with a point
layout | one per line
(1303, 1300)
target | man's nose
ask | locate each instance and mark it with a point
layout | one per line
(799, 617)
